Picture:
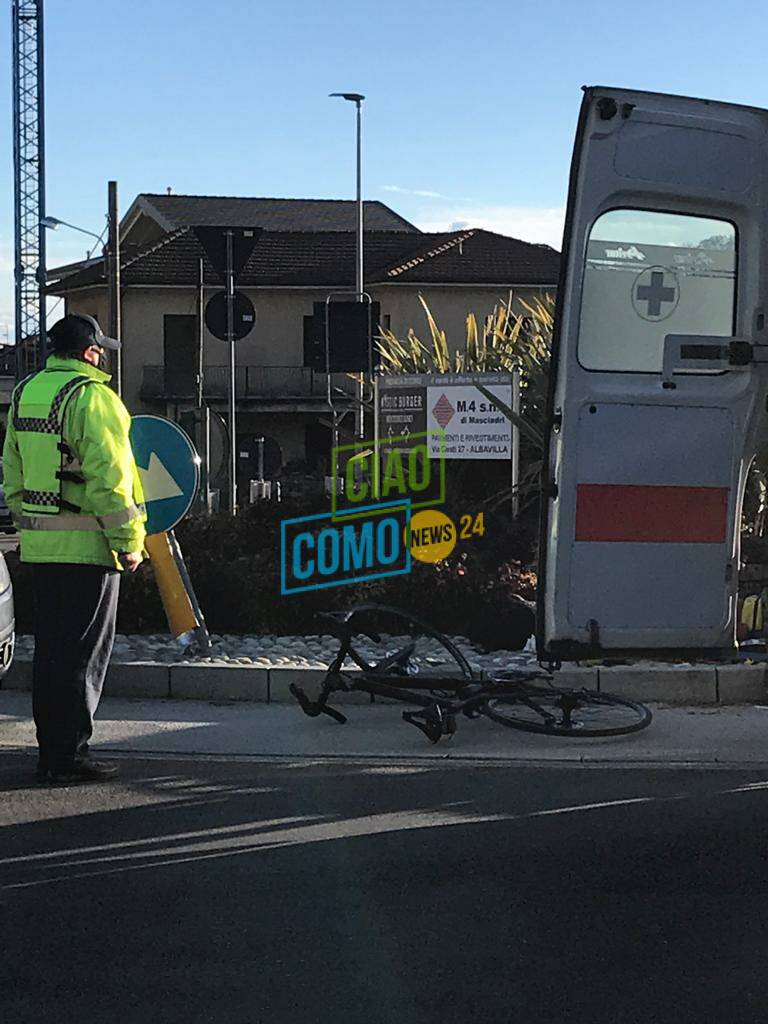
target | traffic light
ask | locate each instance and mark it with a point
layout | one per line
(351, 328)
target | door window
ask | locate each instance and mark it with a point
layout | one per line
(649, 274)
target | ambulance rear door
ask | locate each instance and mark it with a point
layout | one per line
(658, 390)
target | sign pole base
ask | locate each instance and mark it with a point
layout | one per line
(176, 593)
(201, 630)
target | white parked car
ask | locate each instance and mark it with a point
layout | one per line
(6, 520)
(7, 621)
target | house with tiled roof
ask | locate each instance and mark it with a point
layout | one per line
(304, 250)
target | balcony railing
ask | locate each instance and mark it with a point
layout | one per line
(250, 382)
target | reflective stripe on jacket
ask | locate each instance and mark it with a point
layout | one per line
(70, 477)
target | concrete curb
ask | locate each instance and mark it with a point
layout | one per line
(137, 679)
(666, 685)
(695, 685)
(220, 682)
(742, 684)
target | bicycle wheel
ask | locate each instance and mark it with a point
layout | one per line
(577, 713)
(395, 643)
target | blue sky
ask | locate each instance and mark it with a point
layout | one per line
(469, 116)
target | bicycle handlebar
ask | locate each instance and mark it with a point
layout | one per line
(313, 708)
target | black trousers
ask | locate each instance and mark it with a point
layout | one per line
(75, 613)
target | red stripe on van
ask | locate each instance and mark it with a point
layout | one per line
(660, 515)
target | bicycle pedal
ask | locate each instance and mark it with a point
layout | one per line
(432, 722)
(431, 729)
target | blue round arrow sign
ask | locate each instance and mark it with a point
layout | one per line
(169, 468)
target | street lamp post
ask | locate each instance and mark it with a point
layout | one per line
(112, 262)
(113, 279)
(357, 98)
(53, 223)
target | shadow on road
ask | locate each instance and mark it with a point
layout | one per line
(257, 891)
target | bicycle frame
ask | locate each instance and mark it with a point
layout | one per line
(442, 698)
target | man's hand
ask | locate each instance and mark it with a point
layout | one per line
(130, 560)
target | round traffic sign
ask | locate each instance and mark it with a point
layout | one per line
(244, 316)
(169, 469)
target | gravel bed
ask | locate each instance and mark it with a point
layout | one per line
(287, 651)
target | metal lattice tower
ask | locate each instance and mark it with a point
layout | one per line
(29, 183)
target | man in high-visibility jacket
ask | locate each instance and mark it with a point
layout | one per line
(73, 488)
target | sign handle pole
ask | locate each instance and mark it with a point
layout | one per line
(360, 386)
(376, 442)
(260, 458)
(200, 333)
(333, 461)
(231, 340)
(174, 595)
(207, 457)
(515, 462)
(200, 630)
(203, 411)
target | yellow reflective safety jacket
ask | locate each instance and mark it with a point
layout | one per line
(70, 478)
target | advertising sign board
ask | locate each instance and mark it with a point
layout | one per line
(451, 402)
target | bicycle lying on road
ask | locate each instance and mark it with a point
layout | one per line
(427, 669)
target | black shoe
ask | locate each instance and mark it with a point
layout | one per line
(83, 771)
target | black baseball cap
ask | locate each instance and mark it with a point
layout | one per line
(77, 332)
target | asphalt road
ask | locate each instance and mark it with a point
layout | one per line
(292, 891)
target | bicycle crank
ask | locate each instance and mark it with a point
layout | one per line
(432, 721)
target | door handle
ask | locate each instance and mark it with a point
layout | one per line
(690, 351)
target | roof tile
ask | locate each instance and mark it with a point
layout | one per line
(274, 214)
(306, 258)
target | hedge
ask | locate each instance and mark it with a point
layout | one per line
(480, 591)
